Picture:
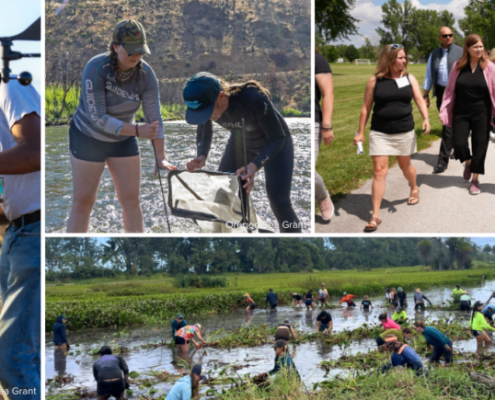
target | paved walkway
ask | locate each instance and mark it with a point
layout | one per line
(445, 204)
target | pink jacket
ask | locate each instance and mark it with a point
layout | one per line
(390, 324)
(448, 101)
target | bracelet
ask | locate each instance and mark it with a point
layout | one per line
(425, 96)
(328, 127)
(137, 131)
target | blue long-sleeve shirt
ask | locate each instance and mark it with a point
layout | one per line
(182, 390)
(176, 326)
(59, 336)
(442, 72)
(434, 337)
(489, 310)
(408, 357)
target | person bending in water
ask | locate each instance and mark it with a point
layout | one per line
(403, 356)
(111, 374)
(366, 304)
(251, 304)
(457, 293)
(186, 334)
(465, 301)
(478, 323)
(387, 322)
(442, 345)
(282, 361)
(419, 300)
(488, 312)
(285, 331)
(187, 387)
(324, 322)
(348, 299)
(309, 300)
(268, 138)
(400, 315)
(296, 299)
(397, 334)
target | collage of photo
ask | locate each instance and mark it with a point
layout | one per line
(247, 199)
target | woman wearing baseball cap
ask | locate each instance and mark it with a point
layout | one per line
(268, 139)
(103, 130)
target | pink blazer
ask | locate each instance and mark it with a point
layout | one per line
(448, 101)
(390, 324)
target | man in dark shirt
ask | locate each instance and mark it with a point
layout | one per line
(178, 323)
(111, 374)
(324, 322)
(59, 337)
(271, 298)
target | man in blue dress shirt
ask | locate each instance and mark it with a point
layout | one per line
(437, 76)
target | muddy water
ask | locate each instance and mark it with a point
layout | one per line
(254, 360)
(180, 142)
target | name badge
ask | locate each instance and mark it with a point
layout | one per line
(402, 82)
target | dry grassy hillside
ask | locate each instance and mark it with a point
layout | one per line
(234, 39)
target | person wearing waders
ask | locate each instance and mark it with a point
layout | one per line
(111, 374)
(267, 137)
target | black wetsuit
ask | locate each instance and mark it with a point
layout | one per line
(268, 144)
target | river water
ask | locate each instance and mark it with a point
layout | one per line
(180, 143)
(253, 360)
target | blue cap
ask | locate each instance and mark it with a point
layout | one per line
(197, 370)
(200, 94)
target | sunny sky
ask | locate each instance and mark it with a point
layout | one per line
(16, 17)
(369, 13)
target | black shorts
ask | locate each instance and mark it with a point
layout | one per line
(476, 333)
(272, 306)
(297, 298)
(252, 306)
(180, 340)
(111, 389)
(86, 148)
(308, 302)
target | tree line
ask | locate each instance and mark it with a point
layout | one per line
(401, 23)
(82, 258)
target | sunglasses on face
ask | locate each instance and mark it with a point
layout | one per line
(448, 36)
(394, 46)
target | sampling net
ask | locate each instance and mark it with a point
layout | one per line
(214, 201)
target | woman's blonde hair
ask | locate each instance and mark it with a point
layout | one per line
(465, 59)
(114, 58)
(386, 64)
(231, 89)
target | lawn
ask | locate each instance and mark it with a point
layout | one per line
(339, 165)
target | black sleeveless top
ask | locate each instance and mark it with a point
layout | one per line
(392, 112)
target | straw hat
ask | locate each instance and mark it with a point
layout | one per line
(246, 295)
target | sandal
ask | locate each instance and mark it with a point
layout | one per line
(413, 198)
(373, 224)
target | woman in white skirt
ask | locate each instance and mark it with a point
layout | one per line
(391, 90)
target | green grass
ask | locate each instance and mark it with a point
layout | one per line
(154, 299)
(53, 104)
(341, 168)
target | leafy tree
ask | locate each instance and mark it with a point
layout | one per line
(397, 23)
(330, 53)
(424, 248)
(367, 51)
(333, 19)
(480, 19)
(351, 53)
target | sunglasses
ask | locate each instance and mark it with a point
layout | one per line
(394, 46)
(447, 36)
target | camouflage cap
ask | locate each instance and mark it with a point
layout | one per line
(130, 34)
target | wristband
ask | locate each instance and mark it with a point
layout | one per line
(137, 132)
(328, 127)
(425, 96)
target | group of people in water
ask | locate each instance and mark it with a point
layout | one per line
(463, 81)
(112, 374)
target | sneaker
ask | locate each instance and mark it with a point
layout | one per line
(474, 188)
(326, 208)
(467, 172)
